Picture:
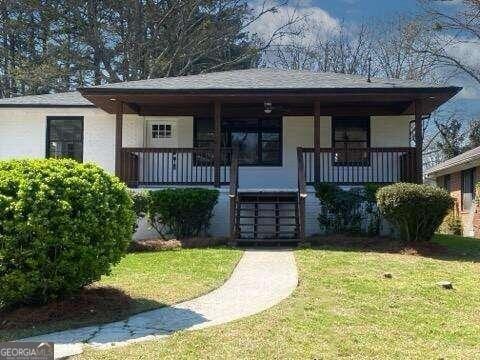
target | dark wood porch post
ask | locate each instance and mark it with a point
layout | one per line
(316, 141)
(418, 141)
(118, 139)
(218, 141)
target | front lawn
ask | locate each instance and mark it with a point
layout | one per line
(140, 282)
(346, 307)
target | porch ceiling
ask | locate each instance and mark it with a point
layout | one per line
(285, 102)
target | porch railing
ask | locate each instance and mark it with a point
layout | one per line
(359, 166)
(302, 194)
(173, 166)
(233, 194)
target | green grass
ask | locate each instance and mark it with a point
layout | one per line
(172, 276)
(145, 280)
(345, 308)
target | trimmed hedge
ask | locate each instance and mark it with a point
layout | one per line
(350, 211)
(181, 212)
(62, 226)
(415, 210)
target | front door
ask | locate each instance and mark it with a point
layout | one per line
(161, 133)
(161, 166)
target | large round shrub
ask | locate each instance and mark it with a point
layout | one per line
(415, 210)
(181, 212)
(62, 226)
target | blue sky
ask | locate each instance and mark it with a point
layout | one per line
(356, 11)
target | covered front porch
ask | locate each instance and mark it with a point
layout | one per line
(263, 135)
(346, 140)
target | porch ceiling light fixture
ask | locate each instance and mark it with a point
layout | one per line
(268, 108)
(112, 99)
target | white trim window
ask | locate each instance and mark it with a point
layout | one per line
(161, 131)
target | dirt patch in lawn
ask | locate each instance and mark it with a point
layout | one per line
(91, 305)
(172, 244)
(378, 244)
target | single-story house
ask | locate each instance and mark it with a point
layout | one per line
(263, 137)
(458, 176)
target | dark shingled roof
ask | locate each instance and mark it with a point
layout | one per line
(265, 79)
(247, 80)
(466, 157)
(68, 99)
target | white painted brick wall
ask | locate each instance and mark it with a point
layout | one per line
(219, 225)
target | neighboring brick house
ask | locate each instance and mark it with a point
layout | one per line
(459, 175)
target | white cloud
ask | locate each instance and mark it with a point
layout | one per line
(467, 50)
(318, 23)
(469, 92)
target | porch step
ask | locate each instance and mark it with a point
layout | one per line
(267, 217)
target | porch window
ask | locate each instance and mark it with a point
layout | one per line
(468, 190)
(351, 140)
(258, 139)
(65, 137)
(161, 131)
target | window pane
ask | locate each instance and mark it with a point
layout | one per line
(204, 129)
(247, 134)
(270, 157)
(270, 123)
(467, 189)
(356, 145)
(270, 146)
(357, 134)
(247, 143)
(356, 156)
(270, 136)
(447, 182)
(340, 134)
(65, 138)
(350, 133)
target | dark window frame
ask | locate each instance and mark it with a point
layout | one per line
(447, 182)
(227, 130)
(338, 119)
(48, 131)
(464, 173)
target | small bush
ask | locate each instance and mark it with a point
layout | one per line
(415, 210)
(451, 225)
(140, 202)
(348, 211)
(182, 212)
(62, 225)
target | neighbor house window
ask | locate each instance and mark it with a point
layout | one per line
(258, 139)
(65, 137)
(468, 190)
(350, 139)
(161, 131)
(447, 182)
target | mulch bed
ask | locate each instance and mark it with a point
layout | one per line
(90, 305)
(379, 244)
(172, 244)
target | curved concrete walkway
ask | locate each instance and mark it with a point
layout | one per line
(261, 279)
